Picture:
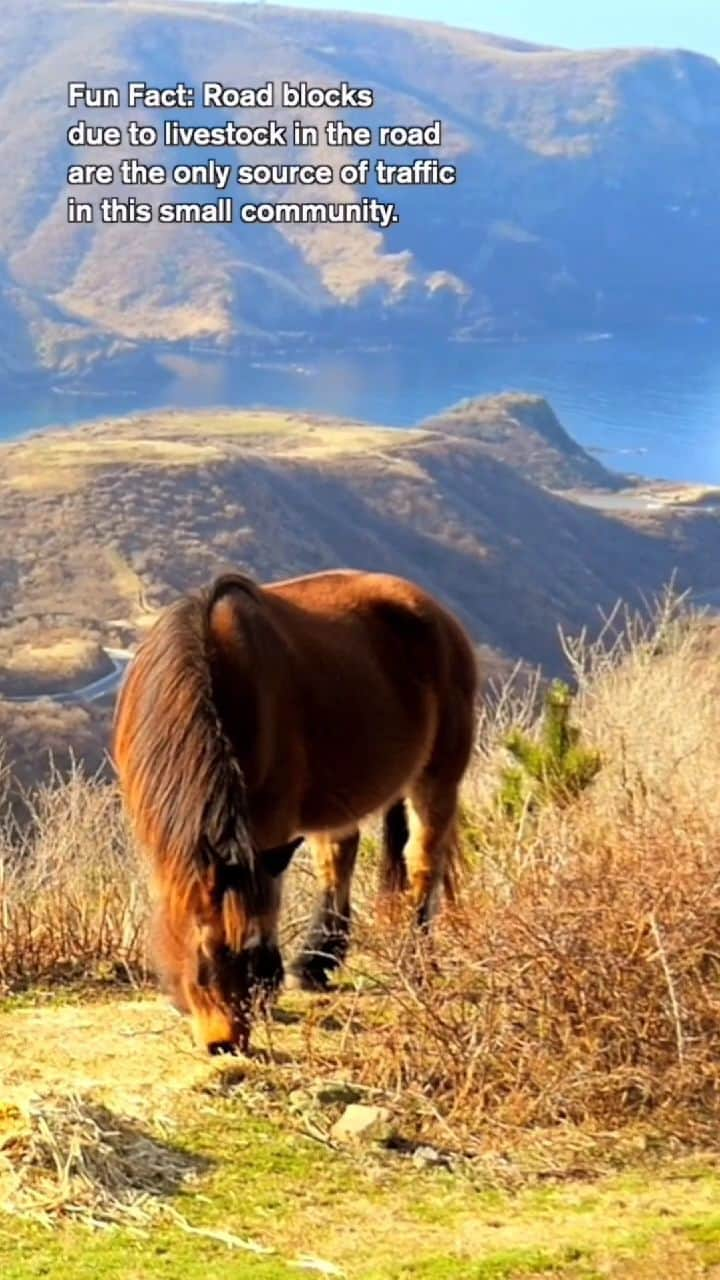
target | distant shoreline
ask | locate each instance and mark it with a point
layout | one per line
(653, 396)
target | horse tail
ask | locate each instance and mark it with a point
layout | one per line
(393, 871)
(181, 779)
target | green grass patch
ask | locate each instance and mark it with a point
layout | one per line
(704, 1235)
(373, 1215)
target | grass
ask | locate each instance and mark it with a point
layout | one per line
(110, 534)
(516, 428)
(61, 465)
(66, 462)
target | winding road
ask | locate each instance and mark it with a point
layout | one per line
(89, 692)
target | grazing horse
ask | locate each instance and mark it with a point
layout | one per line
(254, 716)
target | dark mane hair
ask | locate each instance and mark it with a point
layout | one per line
(171, 736)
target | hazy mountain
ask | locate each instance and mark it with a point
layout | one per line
(588, 193)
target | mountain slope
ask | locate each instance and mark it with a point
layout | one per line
(103, 523)
(579, 175)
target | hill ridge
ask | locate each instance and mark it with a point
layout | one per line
(153, 504)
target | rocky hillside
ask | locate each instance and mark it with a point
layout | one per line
(524, 432)
(588, 193)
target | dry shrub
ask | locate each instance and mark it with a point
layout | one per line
(72, 903)
(579, 981)
(589, 994)
(68, 1156)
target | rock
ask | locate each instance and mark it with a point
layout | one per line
(362, 1124)
(428, 1158)
(299, 1100)
(327, 1095)
(332, 1093)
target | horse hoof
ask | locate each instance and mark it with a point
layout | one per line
(306, 980)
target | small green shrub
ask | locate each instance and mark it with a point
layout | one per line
(553, 769)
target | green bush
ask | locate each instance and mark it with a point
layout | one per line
(553, 769)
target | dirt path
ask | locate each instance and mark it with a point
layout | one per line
(135, 1054)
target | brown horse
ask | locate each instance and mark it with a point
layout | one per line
(254, 716)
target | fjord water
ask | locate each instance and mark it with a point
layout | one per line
(649, 404)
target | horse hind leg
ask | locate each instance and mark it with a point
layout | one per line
(328, 939)
(395, 832)
(430, 853)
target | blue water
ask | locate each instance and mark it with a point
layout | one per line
(649, 404)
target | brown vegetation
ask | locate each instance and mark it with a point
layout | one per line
(72, 904)
(109, 531)
(44, 738)
(523, 432)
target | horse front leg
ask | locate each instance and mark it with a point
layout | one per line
(266, 970)
(327, 942)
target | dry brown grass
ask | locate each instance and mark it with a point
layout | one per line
(68, 1156)
(292, 494)
(72, 906)
(55, 465)
(576, 989)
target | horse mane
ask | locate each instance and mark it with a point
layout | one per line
(182, 782)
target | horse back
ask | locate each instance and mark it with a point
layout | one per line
(389, 619)
(342, 684)
(327, 628)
